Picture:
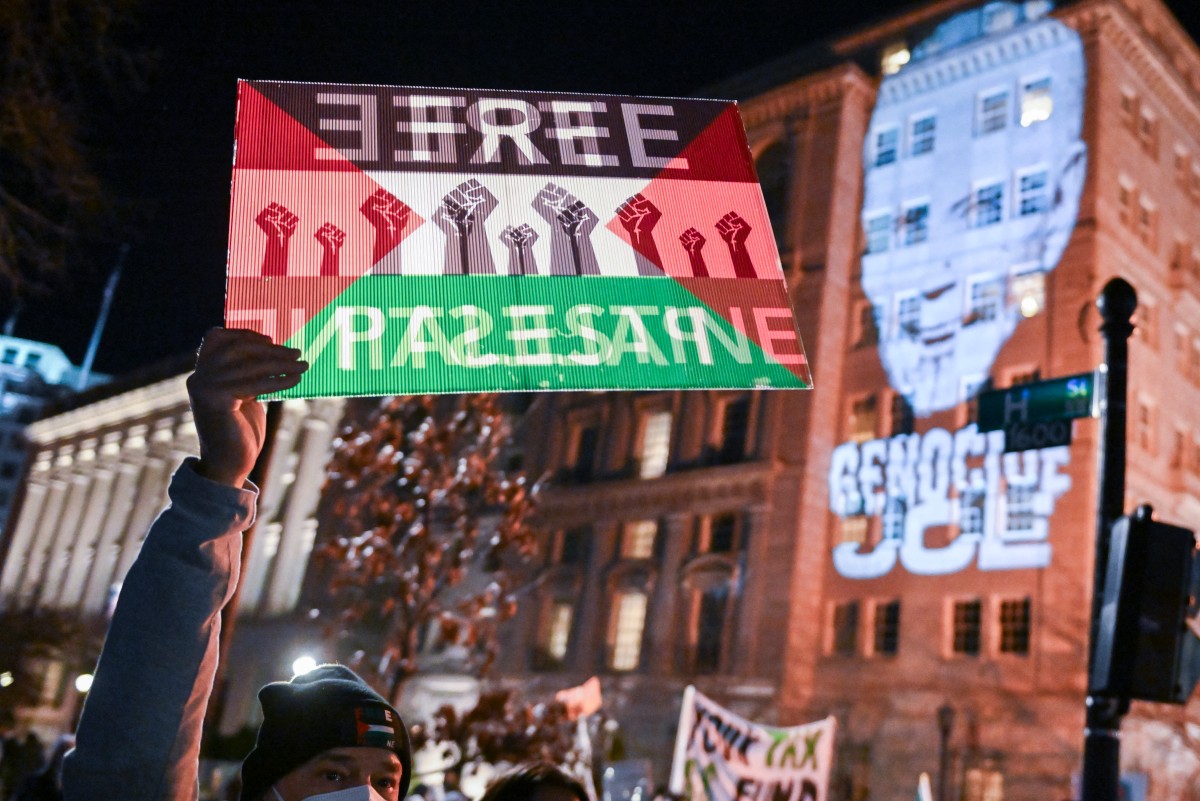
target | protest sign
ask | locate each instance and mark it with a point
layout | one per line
(414, 240)
(720, 756)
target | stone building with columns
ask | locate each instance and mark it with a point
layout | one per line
(950, 189)
(99, 468)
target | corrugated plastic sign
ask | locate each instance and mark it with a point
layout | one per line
(413, 240)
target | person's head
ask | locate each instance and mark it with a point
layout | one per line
(450, 779)
(327, 732)
(539, 781)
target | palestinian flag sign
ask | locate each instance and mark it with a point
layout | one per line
(413, 240)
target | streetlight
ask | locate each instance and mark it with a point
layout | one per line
(945, 720)
(302, 665)
(83, 682)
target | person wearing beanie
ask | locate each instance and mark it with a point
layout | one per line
(325, 736)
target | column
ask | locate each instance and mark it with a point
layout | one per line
(108, 547)
(19, 550)
(84, 552)
(276, 485)
(662, 644)
(744, 618)
(68, 538)
(297, 537)
(147, 502)
(42, 539)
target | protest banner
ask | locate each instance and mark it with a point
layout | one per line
(720, 756)
(415, 240)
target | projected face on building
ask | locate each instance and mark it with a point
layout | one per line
(973, 169)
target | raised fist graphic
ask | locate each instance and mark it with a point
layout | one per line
(460, 215)
(639, 216)
(734, 230)
(331, 238)
(693, 242)
(278, 223)
(520, 249)
(571, 225)
(388, 215)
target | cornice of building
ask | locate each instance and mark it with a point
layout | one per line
(897, 27)
(828, 86)
(696, 491)
(1165, 58)
(135, 404)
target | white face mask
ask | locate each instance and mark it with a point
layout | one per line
(364, 792)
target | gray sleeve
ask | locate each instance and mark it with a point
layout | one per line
(139, 735)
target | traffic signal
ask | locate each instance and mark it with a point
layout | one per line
(1148, 638)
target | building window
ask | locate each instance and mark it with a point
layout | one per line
(555, 634)
(1126, 194)
(845, 629)
(1018, 511)
(887, 628)
(573, 546)
(1028, 291)
(1037, 103)
(33, 359)
(656, 445)
(773, 168)
(1129, 109)
(983, 784)
(625, 630)
(1183, 167)
(968, 618)
(908, 315)
(1032, 194)
(992, 112)
(1147, 222)
(583, 457)
(916, 224)
(894, 56)
(10, 356)
(1146, 322)
(863, 418)
(868, 327)
(1144, 425)
(879, 232)
(1147, 133)
(637, 541)
(854, 529)
(970, 512)
(988, 205)
(1178, 449)
(894, 510)
(901, 414)
(710, 629)
(922, 135)
(887, 145)
(1014, 626)
(986, 297)
(735, 427)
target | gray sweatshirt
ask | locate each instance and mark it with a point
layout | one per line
(139, 736)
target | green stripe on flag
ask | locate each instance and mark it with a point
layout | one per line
(427, 334)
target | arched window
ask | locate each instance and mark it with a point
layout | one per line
(774, 166)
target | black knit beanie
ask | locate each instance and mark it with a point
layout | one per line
(328, 707)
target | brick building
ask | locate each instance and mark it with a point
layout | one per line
(950, 189)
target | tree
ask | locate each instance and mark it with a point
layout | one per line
(29, 635)
(60, 56)
(426, 535)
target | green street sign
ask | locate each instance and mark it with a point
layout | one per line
(1062, 398)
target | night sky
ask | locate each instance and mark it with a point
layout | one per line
(170, 146)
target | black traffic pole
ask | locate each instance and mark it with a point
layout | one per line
(1102, 730)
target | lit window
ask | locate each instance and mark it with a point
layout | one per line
(908, 315)
(845, 629)
(1014, 626)
(629, 620)
(992, 113)
(887, 145)
(1032, 195)
(988, 205)
(863, 416)
(656, 445)
(983, 784)
(986, 299)
(638, 541)
(854, 529)
(557, 633)
(894, 57)
(923, 135)
(968, 618)
(879, 233)
(1028, 290)
(1037, 103)
(916, 224)
(887, 628)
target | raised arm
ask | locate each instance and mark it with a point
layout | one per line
(139, 736)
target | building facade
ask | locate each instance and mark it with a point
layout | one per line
(950, 189)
